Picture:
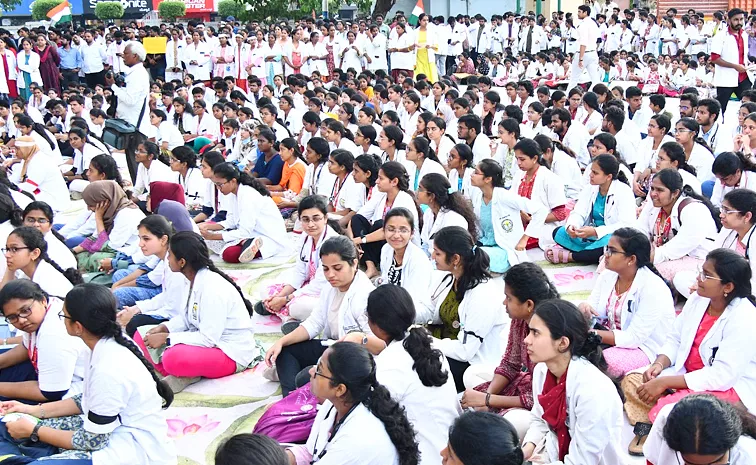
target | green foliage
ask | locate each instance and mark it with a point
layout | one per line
(41, 7)
(307, 6)
(259, 10)
(228, 8)
(171, 10)
(109, 10)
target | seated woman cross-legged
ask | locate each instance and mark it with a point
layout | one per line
(577, 411)
(358, 423)
(508, 390)
(212, 336)
(633, 303)
(467, 303)
(253, 227)
(49, 364)
(339, 315)
(709, 348)
(117, 420)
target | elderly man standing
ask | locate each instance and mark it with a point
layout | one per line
(132, 96)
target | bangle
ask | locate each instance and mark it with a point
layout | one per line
(41, 412)
(488, 399)
(658, 363)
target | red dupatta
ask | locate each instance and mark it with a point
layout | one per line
(553, 400)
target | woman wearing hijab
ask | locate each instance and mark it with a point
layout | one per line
(116, 218)
(38, 176)
(176, 213)
(161, 191)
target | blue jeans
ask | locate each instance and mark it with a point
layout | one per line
(18, 373)
(24, 450)
(127, 296)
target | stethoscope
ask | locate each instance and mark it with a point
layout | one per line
(301, 250)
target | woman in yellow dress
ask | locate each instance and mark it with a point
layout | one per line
(426, 48)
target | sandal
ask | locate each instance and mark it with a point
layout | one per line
(558, 255)
(641, 431)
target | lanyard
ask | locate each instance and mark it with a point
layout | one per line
(32, 349)
(317, 456)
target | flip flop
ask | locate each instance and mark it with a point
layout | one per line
(555, 254)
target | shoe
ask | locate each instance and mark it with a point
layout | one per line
(179, 383)
(289, 326)
(271, 374)
(641, 431)
(260, 309)
(250, 249)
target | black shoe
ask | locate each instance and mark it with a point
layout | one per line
(260, 309)
(289, 326)
(303, 377)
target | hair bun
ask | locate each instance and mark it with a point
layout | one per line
(591, 344)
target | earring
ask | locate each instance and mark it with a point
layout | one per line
(725, 294)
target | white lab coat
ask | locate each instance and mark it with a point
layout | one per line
(49, 279)
(373, 209)
(747, 181)
(728, 239)
(481, 319)
(361, 439)
(619, 211)
(647, 314)
(416, 278)
(32, 68)
(169, 303)
(431, 410)
(467, 187)
(201, 53)
(505, 214)
(297, 277)
(548, 190)
(432, 224)
(428, 166)
(174, 59)
(402, 60)
(594, 417)
(249, 216)
(215, 316)
(727, 350)
(693, 228)
(44, 181)
(567, 169)
(59, 253)
(352, 312)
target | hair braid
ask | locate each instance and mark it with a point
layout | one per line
(163, 389)
(72, 274)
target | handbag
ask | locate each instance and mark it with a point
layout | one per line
(291, 418)
(117, 131)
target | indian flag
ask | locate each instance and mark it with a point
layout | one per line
(416, 12)
(60, 14)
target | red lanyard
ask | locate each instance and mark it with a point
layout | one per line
(32, 349)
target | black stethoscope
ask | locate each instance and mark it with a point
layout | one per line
(317, 456)
(301, 250)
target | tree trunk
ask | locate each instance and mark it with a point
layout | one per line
(382, 7)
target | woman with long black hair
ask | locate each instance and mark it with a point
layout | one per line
(467, 302)
(358, 423)
(119, 418)
(253, 228)
(416, 374)
(480, 437)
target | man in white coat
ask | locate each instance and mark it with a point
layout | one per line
(174, 51)
(132, 96)
(586, 58)
(510, 31)
(729, 53)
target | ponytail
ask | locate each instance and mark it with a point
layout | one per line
(427, 360)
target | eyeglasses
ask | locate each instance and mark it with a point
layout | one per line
(727, 212)
(12, 250)
(318, 373)
(221, 184)
(23, 313)
(402, 231)
(62, 316)
(702, 276)
(684, 130)
(608, 251)
(682, 461)
(314, 219)
(31, 221)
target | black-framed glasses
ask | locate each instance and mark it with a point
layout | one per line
(63, 316)
(30, 220)
(609, 251)
(12, 250)
(23, 313)
(221, 184)
(318, 373)
(682, 461)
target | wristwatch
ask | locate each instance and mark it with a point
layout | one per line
(364, 240)
(34, 437)
(364, 339)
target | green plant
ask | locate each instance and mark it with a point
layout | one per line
(259, 10)
(41, 7)
(170, 10)
(228, 8)
(109, 10)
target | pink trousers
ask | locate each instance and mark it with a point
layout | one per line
(191, 361)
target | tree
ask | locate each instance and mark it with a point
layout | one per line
(383, 6)
(41, 7)
(259, 10)
(171, 10)
(109, 10)
(228, 8)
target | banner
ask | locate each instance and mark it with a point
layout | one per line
(24, 8)
(155, 44)
(193, 6)
(130, 7)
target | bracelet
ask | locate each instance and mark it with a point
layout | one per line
(488, 399)
(41, 412)
(657, 363)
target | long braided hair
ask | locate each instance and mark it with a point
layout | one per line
(94, 307)
(33, 239)
(191, 247)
